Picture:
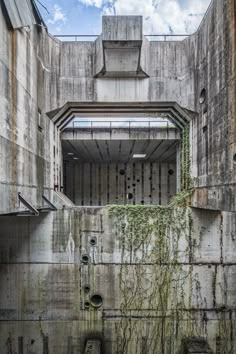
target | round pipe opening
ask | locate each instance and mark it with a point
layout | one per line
(86, 304)
(96, 300)
(93, 241)
(87, 289)
(85, 258)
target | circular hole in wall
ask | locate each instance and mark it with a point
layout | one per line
(122, 172)
(93, 241)
(128, 187)
(87, 289)
(171, 172)
(85, 258)
(96, 300)
(138, 180)
(142, 202)
(128, 178)
(133, 184)
(150, 196)
(202, 97)
(234, 158)
(130, 195)
(86, 304)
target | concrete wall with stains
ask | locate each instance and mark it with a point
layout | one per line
(42, 276)
(118, 183)
(214, 130)
(43, 259)
(26, 148)
(41, 73)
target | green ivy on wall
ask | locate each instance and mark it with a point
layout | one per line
(152, 277)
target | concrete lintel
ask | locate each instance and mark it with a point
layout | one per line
(177, 114)
(121, 133)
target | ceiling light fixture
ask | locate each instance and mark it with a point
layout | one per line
(75, 158)
(70, 153)
(139, 156)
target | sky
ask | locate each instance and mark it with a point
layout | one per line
(159, 16)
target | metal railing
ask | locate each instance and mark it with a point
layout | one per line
(130, 125)
(160, 37)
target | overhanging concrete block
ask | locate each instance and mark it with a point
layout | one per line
(119, 50)
(122, 28)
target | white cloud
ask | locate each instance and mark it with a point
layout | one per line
(96, 3)
(160, 16)
(58, 17)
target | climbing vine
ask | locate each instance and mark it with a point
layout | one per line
(152, 277)
(186, 183)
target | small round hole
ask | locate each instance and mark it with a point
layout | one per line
(150, 196)
(130, 195)
(122, 172)
(234, 158)
(150, 178)
(128, 178)
(86, 289)
(86, 304)
(85, 258)
(171, 172)
(138, 180)
(128, 187)
(142, 202)
(202, 96)
(93, 241)
(96, 300)
(133, 184)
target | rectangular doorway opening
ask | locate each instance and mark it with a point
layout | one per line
(120, 160)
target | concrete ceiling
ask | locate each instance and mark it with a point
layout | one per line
(106, 151)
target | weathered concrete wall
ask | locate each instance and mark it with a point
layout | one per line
(171, 76)
(40, 73)
(26, 149)
(149, 301)
(191, 265)
(214, 135)
(133, 183)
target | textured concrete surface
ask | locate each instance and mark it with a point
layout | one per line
(118, 183)
(50, 266)
(43, 260)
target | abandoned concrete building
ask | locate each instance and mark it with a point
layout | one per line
(118, 187)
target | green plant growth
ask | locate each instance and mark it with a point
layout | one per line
(153, 281)
(182, 198)
(186, 182)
